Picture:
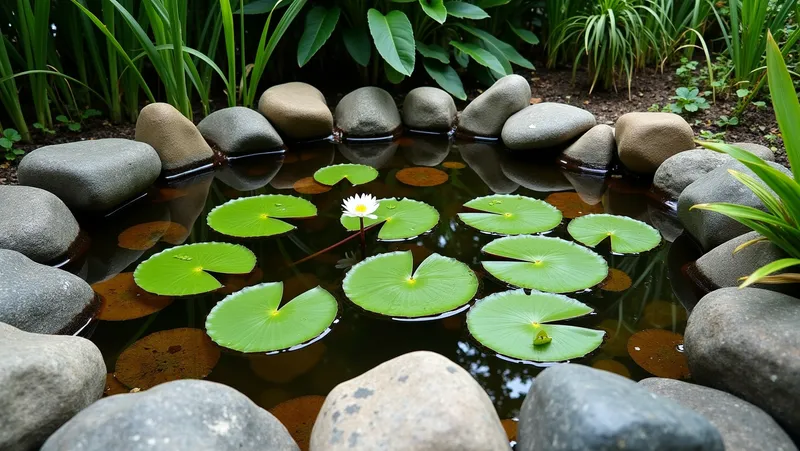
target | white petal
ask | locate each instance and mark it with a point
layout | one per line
(370, 216)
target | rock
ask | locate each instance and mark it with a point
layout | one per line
(95, 175)
(44, 381)
(486, 115)
(645, 140)
(545, 125)
(745, 342)
(41, 299)
(712, 229)
(594, 150)
(743, 426)
(760, 151)
(429, 109)
(36, 223)
(239, 130)
(575, 407)
(484, 159)
(178, 415)
(367, 112)
(418, 401)
(178, 142)
(298, 110)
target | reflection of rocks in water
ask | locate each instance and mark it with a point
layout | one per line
(484, 159)
(626, 203)
(286, 366)
(185, 210)
(667, 223)
(427, 150)
(376, 154)
(534, 175)
(589, 187)
(303, 162)
(250, 174)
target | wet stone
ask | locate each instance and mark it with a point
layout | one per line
(240, 130)
(429, 109)
(545, 125)
(486, 115)
(645, 140)
(367, 112)
(176, 139)
(298, 110)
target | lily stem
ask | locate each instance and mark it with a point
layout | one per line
(334, 246)
(363, 239)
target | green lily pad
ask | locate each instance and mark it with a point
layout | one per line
(507, 214)
(546, 264)
(356, 174)
(402, 219)
(628, 236)
(511, 323)
(184, 270)
(258, 216)
(250, 320)
(388, 285)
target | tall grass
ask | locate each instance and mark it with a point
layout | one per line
(9, 94)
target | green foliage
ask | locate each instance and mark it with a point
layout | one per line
(511, 215)
(707, 135)
(259, 216)
(688, 100)
(402, 219)
(627, 235)
(356, 174)
(725, 121)
(7, 141)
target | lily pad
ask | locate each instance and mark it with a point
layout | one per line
(182, 270)
(508, 323)
(388, 285)
(628, 236)
(508, 214)
(545, 264)
(356, 174)
(142, 237)
(250, 320)
(660, 353)
(402, 219)
(259, 216)
(421, 176)
(121, 299)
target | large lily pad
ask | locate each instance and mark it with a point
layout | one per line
(510, 321)
(402, 219)
(184, 270)
(250, 320)
(628, 236)
(388, 285)
(259, 216)
(507, 214)
(545, 264)
(356, 174)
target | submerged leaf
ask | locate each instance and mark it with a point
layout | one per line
(571, 205)
(144, 236)
(356, 174)
(628, 236)
(508, 214)
(660, 353)
(402, 219)
(121, 299)
(419, 176)
(259, 216)
(298, 416)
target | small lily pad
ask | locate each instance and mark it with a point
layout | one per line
(507, 214)
(356, 174)
(511, 322)
(628, 236)
(421, 176)
(571, 205)
(402, 219)
(250, 320)
(259, 216)
(121, 299)
(660, 353)
(545, 264)
(182, 270)
(388, 285)
(144, 236)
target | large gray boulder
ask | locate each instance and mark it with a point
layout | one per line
(298, 110)
(486, 115)
(418, 401)
(746, 342)
(367, 112)
(44, 381)
(645, 140)
(239, 130)
(575, 407)
(594, 150)
(41, 299)
(429, 109)
(545, 125)
(176, 139)
(183, 415)
(36, 223)
(743, 426)
(709, 228)
(95, 175)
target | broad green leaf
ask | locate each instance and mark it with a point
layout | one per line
(433, 51)
(628, 236)
(394, 39)
(498, 48)
(388, 285)
(250, 320)
(259, 216)
(524, 34)
(402, 219)
(320, 23)
(508, 214)
(435, 9)
(356, 174)
(392, 75)
(358, 45)
(509, 321)
(546, 264)
(784, 100)
(464, 10)
(184, 270)
(480, 55)
(446, 77)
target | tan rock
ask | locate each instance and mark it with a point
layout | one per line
(645, 140)
(298, 110)
(176, 139)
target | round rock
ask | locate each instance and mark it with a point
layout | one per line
(429, 109)
(367, 112)
(298, 110)
(176, 139)
(486, 115)
(594, 150)
(645, 140)
(240, 130)
(545, 125)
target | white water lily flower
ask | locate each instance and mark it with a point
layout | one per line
(360, 206)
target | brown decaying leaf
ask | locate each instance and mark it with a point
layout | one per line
(510, 426)
(454, 165)
(656, 351)
(168, 194)
(421, 176)
(616, 281)
(308, 185)
(298, 416)
(114, 387)
(121, 299)
(572, 206)
(144, 236)
(660, 314)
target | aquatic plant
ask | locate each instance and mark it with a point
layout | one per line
(507, 214)
(627, 235)
(259, 216)
(360, 206)
(356, 174)
(402, 219)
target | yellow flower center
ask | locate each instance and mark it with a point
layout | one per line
(361, 208)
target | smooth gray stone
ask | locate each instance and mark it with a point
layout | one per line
(763, 152)
(545, 125)
(485, 159)
(367, 112)
(486, 115)
(594, 150)
(240, 130)
(429, 109)
(36, 223)
(95, 175)
(44, 381)
(183, 415)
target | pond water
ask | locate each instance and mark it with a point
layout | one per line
(359, 341)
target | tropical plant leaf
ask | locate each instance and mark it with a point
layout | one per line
(435, 9)
(480, 55)
(464, 10)
(446, 77)
(184, 270)
(250, 320)
(403, 219)
(546, 264)
(259, 216)
(508, 214)
(388, 285)
(358, 45)
(508, 323)
(356, 174)
(628, 236)
(320, 23)
(262, 6)
(500, 49)
(524, 34)
(433, 51)
(784, 100)
(394, 39)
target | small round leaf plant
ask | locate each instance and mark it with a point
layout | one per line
(507, 214)
(402, 219)
(356, 174)
(627, 235)
(259, 216)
